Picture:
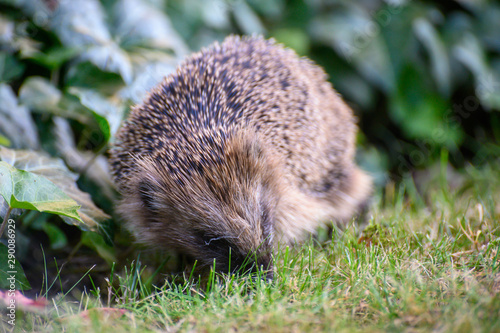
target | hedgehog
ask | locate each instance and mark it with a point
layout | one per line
(245, 146)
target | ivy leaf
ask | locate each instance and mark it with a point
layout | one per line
(107, 114)
(10, 67)
(26, 190)
(38, 93)
(138, 23)
(4, 141)
(81, 24)
(420, 111)
(57, 237)
(77, 160)
(41, 96)
(216, 14)
(87, 75)
(248, 21)
(148, 76)
(430, 38)
(96, 242)
(54, 170)
(365, 51)
(470, 52)
(53, 58)
(15, 120)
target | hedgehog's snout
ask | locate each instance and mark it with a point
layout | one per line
(230, 259)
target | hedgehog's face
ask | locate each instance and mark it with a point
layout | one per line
(233, 250)
(222, 210)
(236, 232)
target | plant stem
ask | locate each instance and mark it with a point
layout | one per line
(4, 223)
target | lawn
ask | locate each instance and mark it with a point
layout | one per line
(428, 260)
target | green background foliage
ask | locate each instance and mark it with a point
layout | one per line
(422, 77)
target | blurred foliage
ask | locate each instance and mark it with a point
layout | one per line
(423, 77)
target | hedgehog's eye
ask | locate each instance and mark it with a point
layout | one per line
(226, 254)
(218, 244)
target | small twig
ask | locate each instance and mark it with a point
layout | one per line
(4, 223)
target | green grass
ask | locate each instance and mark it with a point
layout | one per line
(425, 263)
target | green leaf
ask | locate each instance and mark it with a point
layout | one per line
(10, 68)
(248, 21)
(437, 51)
(78, 160)
(470, 52)
(87, 75)
(215, 14)
(110, 58)
(53, 58)
(26, 190)
(41, 96)
(272, 8)
(4, 141)
(363, 48)
(7, 32)
(15, 120)
(138, 23)
(148, 76)
(21, 282)
(107, 114)
(420, 111)
(96, 242)
(38, 93)
(294, 38)
(57, 237)
(89, 216)
(81, 24)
